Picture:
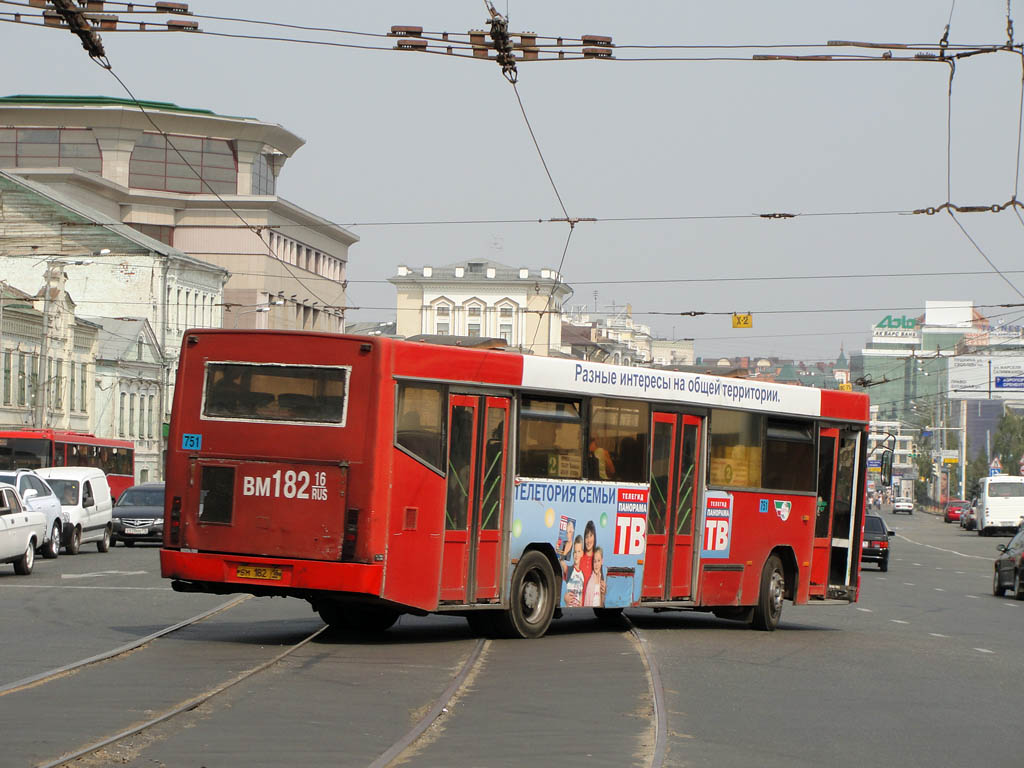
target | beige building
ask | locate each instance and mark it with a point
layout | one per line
(203, 183)
(480, 298)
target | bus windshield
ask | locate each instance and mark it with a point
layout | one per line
(24, 452)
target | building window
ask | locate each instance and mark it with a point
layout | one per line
(58, 383)
(263, 182)
(505, 332)
(71, 386)
(443, 329)
(473, 330)
(189, 164)
(152, 412)
(474, 311)
(138, 350)
(131, 415)
(443, 310)
(505, 312)
(7, 378)
(83, 405)
(49, 147)
(120, 416)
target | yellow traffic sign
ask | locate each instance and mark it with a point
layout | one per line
(742, 320)
(846, 387)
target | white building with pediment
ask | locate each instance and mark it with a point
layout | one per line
(481, 298)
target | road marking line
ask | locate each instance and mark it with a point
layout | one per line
(959, 573)
(983, 650)
(898, 621)
(865, 610)
(973, 597)
(918, 564)
(71, 586)
(939, 589)
(936, 634)
(101, 573)
(909, 584)
(941, 549)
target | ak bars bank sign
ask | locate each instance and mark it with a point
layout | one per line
(893, 327)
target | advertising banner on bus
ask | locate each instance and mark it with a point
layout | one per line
(598, 530)
(581, 377)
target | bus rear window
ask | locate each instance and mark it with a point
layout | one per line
(273, 392)
(1005, 490)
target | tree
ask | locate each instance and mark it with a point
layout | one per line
(1009, 442)
(977, 468)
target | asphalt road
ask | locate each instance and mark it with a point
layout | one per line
(924, 670)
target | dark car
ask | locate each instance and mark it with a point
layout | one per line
(969, 518)
(875, 547)
(954, 509)
(139, 514)
(1008, 572)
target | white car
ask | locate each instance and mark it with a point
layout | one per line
(21, 531)
(85, 505)
(903, 504)
(38, 496)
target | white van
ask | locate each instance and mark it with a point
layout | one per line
(85, 505)
(1000, 504)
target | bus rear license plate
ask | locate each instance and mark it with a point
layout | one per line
(258, 572)
(136, 531)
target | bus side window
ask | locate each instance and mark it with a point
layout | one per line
(418, 422)
(551, 439)
(617, 445)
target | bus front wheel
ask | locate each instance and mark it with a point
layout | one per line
(532, 602)
(768, 610)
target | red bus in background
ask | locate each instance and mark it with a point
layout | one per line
(374, 477)
(35, 448)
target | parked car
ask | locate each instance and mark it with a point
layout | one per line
(21, 530)
(1008, 571)
(85, 505)
(903, 504)
(139, 514)
(875, 545)
(969, 518)
(954, 510)
(36, 494)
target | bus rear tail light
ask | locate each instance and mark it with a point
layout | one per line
(175, 521)
(351, 535)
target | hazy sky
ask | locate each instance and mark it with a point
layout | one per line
(396, 136)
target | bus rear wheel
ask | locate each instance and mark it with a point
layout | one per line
(532, 602)
(357, 618)
(768, 610)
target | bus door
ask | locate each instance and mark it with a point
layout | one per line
(674, 478)
(475, 498)
(833, 565)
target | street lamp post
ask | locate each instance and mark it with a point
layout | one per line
(249, 311)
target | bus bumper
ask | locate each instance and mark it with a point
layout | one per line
(228, 574)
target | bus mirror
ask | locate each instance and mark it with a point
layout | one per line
(886, 466)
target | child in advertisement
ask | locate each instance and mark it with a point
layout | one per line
(574, 583)
(593, 593)
(563, 548)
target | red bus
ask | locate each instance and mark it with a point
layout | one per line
(35, 448)
(375, 477)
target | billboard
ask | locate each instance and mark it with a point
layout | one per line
(986, 378)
